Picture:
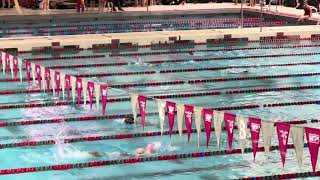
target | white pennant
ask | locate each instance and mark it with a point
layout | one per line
(73, 88)
(33, 73)
(180, 113)
(20, 68)
(161, 109)
(266, 128)
(53, 83)
(297, 134)
(11, 65)
(85, 86)
(43, 78)
(63, 85)
(198, 117)
(97, 94)
(217, 122)
(242, 124)
(134, 101)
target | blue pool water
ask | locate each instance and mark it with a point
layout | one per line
(217, 167)
(118, 25)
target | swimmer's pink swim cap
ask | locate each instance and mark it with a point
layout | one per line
(151, 148)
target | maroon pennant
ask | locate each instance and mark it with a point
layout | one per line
(1, 58)
(7, 61)
(104, 90)
(188, 112)
(229, 120)
(38, 74)
(48, 78)
(313, 136)
(142, 101)
(207, 118)
(283, 130)
(255, 126)
(68, 85)
(15, 66)
(57, 80)
(79, 88)
(171, 112)
(90, 88)
(28, 68)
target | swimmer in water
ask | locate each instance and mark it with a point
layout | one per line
(129, 120)
(113, 154)
(148, 150)
(238, 72)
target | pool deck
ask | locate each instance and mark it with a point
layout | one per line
(145, 38)
(161, 8)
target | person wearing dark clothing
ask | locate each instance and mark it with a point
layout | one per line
(117, 3)
(307, 13)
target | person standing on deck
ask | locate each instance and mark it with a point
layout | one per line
(117, 3)
(80, 6)
(307, 13)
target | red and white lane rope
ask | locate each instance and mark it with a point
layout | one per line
(133, 160)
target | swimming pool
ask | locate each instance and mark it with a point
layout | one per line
(146, 23)
(224, 72)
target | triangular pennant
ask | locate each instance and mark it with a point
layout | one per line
(67, 85)
(134, 103)
(207, 116)
(229, 120)
(97, 90)
(198, 117)
(43, 77)
(20, 69)
(57, 82)
(38, 74)
(188, 112)
(218, 117)
(47, 78)
(104, 89)
(63, 84)
(33, 73)
(3, 62)
(53, 84)
(15, 66)
(283, 130)
(1, 58)
(298, 142)
(7, 61)
(171, 113)
(73, 88)
(85, 89)
(90, 93)
(313, 136)
(180, 114)
(142, 101)
(28, 69)
(255, 126)
(161, 109)
(267, 128)
(79, 88)
(242, 125)
(11, 65)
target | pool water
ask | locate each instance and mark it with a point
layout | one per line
(179, 22)
(216, 167)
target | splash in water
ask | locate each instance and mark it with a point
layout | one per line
(141, 63)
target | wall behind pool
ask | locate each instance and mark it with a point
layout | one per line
(162, 39)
